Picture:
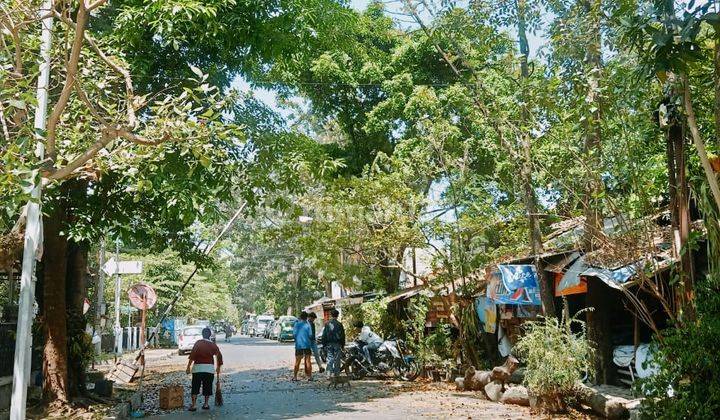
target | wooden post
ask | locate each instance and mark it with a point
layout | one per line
(142, 332)
(636, 332)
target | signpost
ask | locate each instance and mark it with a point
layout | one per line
(113, 266)
(116, 267)
(143, 297)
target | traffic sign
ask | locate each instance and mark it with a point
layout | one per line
(142, 296)
(113, 267)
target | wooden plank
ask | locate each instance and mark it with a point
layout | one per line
(124, 372)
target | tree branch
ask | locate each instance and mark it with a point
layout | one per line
(95, 4)
(699, 144)
(5, 131)
(124, 73)
(68, 169)
(478, 83)
(72, 67)
(93, 111)
(8, 23)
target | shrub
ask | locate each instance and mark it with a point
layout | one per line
(373, 314)
(687, 384)
(556, 360)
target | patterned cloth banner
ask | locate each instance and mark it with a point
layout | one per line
(516, 276)
(514, 285)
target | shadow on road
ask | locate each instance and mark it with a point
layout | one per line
(258, 385)
(269, 393)
(258, 341)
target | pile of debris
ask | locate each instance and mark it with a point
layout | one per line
(502, 384)
(498, 385)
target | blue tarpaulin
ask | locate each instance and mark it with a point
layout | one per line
(613, 278)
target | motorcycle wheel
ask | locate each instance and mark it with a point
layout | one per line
(355, 371)
(407, 371)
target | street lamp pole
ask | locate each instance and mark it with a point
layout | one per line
(33, 231)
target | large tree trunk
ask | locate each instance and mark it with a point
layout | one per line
(55, 318)
(599, 296)
(77, 340)
(391, 273)
(529, 197)
(683, 215)
(592, 144)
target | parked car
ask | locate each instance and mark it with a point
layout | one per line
(273, 330)
(267, 329)
(283, 329)
(188, 337)
(261, 325)
(205, 323)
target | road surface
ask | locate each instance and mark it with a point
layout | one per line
(257, 385)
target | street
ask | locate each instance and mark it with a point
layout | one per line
(256, 385)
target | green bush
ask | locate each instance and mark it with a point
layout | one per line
(556, 360)
(688, 382)
(432, 349)
(373, 314)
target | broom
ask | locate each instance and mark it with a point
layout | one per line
(218, 394)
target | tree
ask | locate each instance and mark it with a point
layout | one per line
(127, 154)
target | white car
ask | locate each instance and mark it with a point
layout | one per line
(262, 322)
(190, 335)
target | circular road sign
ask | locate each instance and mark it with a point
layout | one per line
(142, 296)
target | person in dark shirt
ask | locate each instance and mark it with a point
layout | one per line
(202, 366)
(333, 338)
(313, 342)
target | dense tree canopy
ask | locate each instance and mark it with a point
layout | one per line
(465, 129)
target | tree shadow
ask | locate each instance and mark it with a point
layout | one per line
(270, 394)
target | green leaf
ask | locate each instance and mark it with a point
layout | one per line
(196, 70)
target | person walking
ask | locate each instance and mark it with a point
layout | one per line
(200, 363)
(302, 332)
(333, 338)
(313, 341)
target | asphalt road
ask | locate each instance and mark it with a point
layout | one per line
(256, 385)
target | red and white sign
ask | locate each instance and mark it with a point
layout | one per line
(142, 296)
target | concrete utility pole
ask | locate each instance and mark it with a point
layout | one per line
(118, 327)
(100, 309)
(33, 232)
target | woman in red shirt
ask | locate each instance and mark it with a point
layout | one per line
(202, 366)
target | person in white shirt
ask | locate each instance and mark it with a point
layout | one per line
(372, 341)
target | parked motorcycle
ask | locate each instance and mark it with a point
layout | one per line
(391, 358)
